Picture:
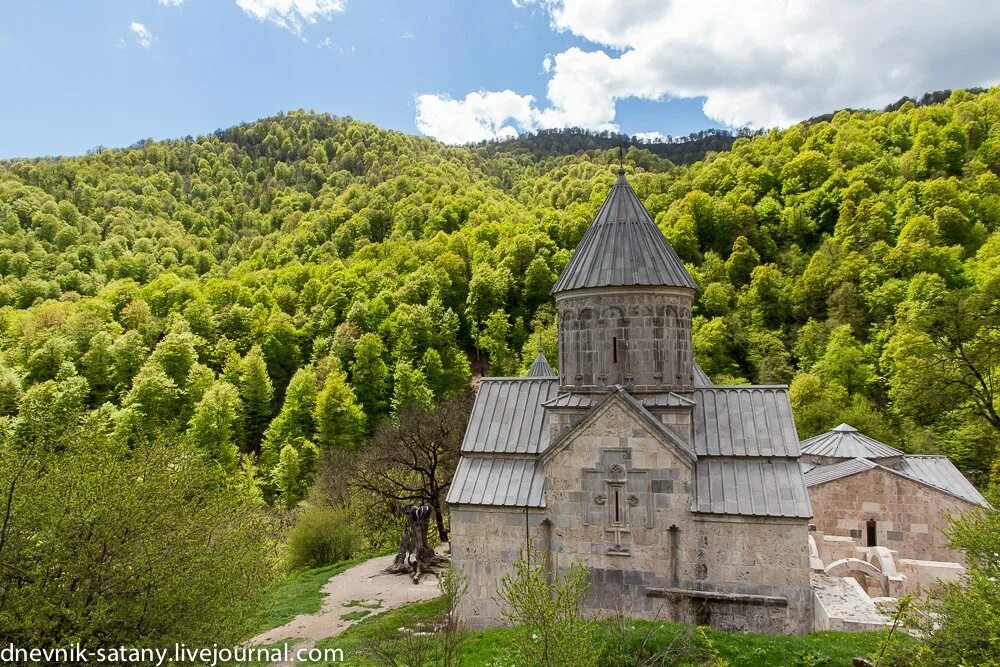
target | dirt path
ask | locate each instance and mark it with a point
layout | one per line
(364, 587)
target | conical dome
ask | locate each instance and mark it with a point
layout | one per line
(846, 442)
(623, 247)
(540, 368)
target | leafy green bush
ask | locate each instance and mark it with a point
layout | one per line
(106, 545)
(963, 626)
(322, 536)
(546, 609)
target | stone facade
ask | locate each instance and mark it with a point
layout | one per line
(618, 498)
(909, 516)
(639, 338)
(715, 536)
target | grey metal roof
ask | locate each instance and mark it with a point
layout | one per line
(623, 247)
(846, 442)
(540, 368)
(744, 421)
(701, 378)
(668, 400)
(934, 471)
(756, 487)
(940, 472)
(569, 401)
(834, 471)
(499, 481)
(508, 417)
(620, 393)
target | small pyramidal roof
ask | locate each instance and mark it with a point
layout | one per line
(846, 442)
(540, 368)
(623, 247)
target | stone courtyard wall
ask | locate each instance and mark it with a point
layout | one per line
(909, 517)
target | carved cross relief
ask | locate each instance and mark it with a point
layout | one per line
(617, 496)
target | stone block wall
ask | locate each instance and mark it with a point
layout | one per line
(636, 337)
(485, 541)
(664, 558)
(761, 556)
(909, 517)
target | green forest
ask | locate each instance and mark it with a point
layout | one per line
(199, 333)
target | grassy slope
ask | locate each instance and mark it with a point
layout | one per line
(489, 647)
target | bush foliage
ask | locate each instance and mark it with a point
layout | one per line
(322, 536)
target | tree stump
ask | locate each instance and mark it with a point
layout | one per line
(414, 556)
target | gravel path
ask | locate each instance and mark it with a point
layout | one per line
(364, 586)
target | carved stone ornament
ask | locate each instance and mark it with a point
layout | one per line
(617, 468)
(633, 500)
(600, 499)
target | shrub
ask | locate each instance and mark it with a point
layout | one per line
(321, 536)
(546, 610)
(139, 547)
(963, 617)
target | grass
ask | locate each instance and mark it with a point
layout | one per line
(356, 615)
(377, 604)
(301, 592)
(489, 647)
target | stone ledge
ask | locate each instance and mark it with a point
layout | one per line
(718, 596)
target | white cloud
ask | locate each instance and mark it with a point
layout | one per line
(170, 3)
(650, 136)
(292, 14)
(142, 34)
(762, 62)
(478, 117)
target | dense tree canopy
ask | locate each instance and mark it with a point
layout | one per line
(277, 289)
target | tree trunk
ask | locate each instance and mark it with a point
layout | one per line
(415, 556)
(439, 519)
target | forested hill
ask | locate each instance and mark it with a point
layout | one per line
(277, 288)
(679, 150)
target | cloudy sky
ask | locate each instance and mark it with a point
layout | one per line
(82, 73)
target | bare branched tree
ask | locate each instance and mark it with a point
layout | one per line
(411, 459)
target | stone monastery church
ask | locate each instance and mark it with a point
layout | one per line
(686, 500)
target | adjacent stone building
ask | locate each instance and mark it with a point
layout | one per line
(863, 489)
(685, 500)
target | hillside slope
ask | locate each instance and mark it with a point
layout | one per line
(854, 258)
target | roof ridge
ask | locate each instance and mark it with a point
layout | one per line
(746, 387)
(523, 378)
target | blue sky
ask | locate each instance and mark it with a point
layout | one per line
(77, 76)
(81, 73)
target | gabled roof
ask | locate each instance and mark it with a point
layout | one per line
(540, 368)
(621, 395)
(499, 481)
(508, 417)
(940, 472)
(750, 486)
(846, 442)
(934, 471)
(701, 378)
(623, 247)
(839, 470)
(744, 421)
